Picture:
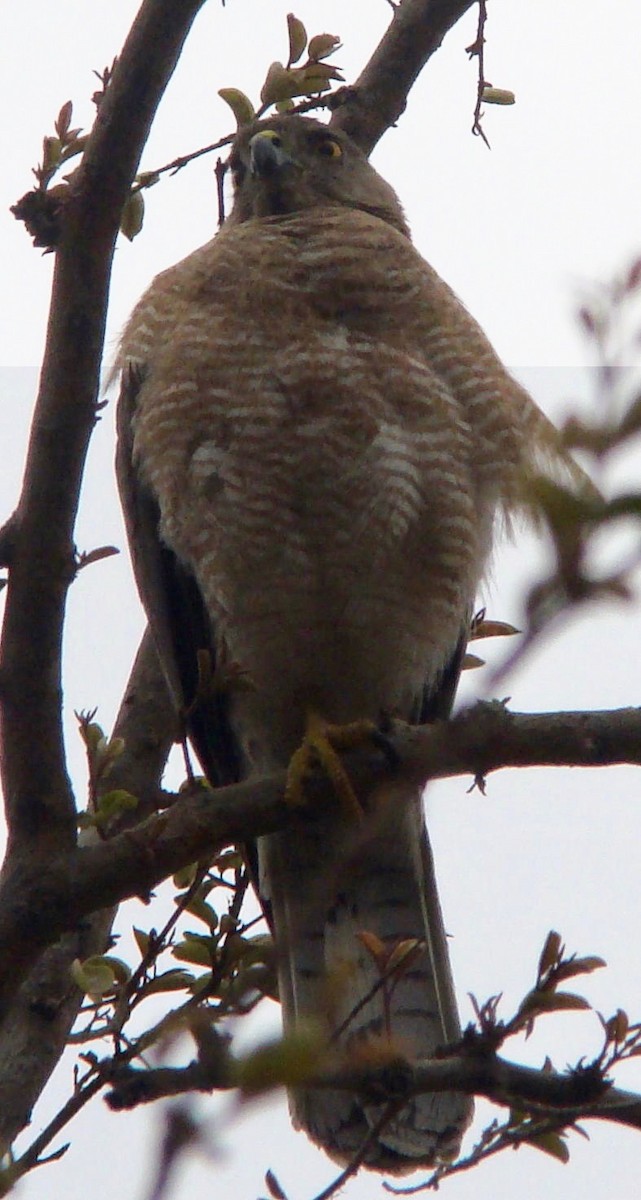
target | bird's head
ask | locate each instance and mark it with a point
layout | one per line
(289, 164)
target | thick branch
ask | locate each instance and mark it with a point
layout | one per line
(39, 903)
(37, 790)
(379, 95)
(570, 1095)
(43, 1012)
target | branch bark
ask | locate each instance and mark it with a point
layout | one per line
(33, 1036)
(38, 547)
(569, 1094)
(379, 96)
(48, 886)
(38, 795)
(40, 903)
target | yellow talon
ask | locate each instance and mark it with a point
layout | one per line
(320, 746)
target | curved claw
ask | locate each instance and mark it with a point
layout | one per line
(320, 747)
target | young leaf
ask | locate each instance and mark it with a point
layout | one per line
(578, 966)
(185, 877)
(240, 105)
(203, 911)
(170, 981)
(143, 940)
(471, 662)
(322, 45)
(550, 1143)
(133, 215)
(112, 804)
(273, 1187)
(297, 38)
(93, 556)
(99, 975)
(376, 948)
(404, 954)
(492, 95)
(196, 949)
(489, 629)
(63, 120)
(290, 1060)
(617, 1027)
(550, 954)
(280, 84)
(545, 1002)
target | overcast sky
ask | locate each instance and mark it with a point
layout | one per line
(521, 233)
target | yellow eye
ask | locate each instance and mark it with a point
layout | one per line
(330, 148)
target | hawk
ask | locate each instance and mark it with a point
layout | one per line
(315, 440)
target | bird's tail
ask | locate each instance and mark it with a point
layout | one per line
(362, 951)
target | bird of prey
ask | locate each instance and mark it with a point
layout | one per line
(315, 442)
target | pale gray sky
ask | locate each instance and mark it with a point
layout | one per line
(519, 232)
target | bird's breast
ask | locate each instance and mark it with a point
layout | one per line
(313, 464)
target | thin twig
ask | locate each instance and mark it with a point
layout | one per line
(477, 50)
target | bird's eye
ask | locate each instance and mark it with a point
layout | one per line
(329, 148)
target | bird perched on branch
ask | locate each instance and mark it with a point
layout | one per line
(315, 439)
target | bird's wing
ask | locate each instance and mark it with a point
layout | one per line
(173, 602)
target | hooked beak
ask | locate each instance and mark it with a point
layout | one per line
(266, 155)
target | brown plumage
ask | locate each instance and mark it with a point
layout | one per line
(315, 441)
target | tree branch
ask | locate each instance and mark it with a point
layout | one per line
(44, 1010)
(40, 903)
(379, 96)
(572, 1094)
(51, 887)
(38, 794)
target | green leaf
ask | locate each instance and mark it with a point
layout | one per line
(552, 1144)
(186, 875)
(133, 215)
(93, 556)
(492, 95)
(280, 84)
(240, 105)
(99, 975)
(147, 179)
(200, 982)
(228, 860)
(117, 801)
(170, 981)
(490, 629)
(297, 38)
(202, 911)
(617, 1027)
(51, 150)
(111, 805)
(92, 735)
(317, 77)
(471, 662)
(143, 940)
(290, 1061)
(273, 1187)
(550, 953)
(322, 45)
(63, 120)
(546, 1002)
(579, 966)
(196, 949)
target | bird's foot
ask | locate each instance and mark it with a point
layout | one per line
(321, 746)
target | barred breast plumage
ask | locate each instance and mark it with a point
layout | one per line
(315, 440)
